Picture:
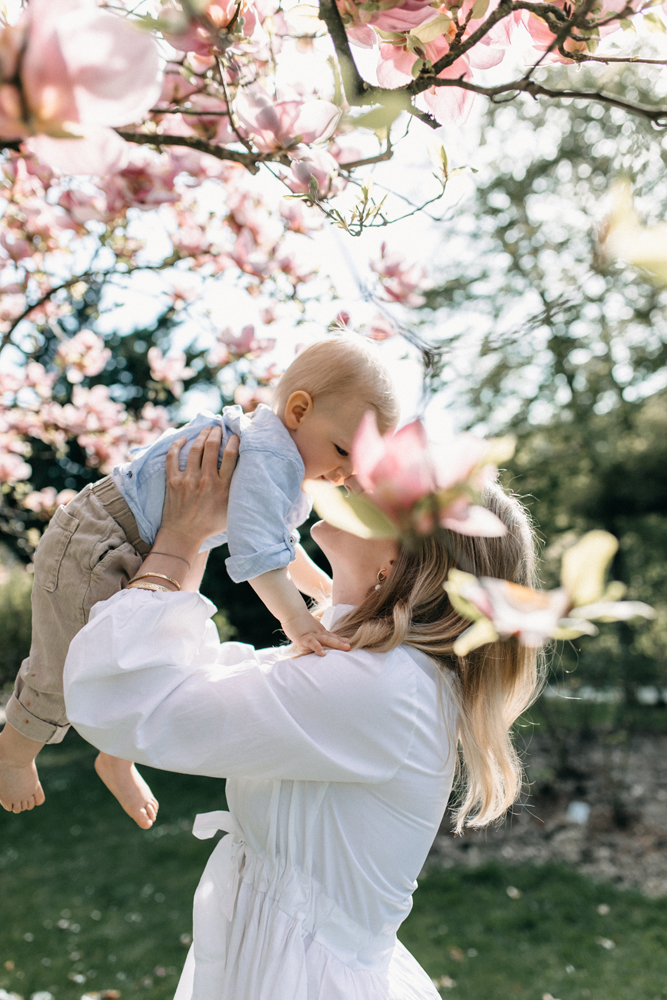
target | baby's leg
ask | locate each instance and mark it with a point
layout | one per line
(124, 781)
(19, 783)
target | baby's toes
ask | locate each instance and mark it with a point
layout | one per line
(151, 809)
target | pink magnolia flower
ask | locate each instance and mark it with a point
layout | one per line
(282, 125)
(146, 181)
(245, 344)
(36, 377)
(211, 31)
(79, 71)
(400, 281)
(13, 469)
(249, 398)
(317, 164)
(421, 487)
(532, 616)
(171, 371)
(83, 206)
(380, 328)
(83, 354)
(212, 127)
(297, 217)
(47, 500)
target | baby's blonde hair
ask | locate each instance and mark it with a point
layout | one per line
(341, 366)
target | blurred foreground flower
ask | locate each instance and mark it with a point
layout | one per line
(411, 487)
(69, 74)
(624, 238)
(500, 609)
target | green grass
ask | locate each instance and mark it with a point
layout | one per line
(123, 898)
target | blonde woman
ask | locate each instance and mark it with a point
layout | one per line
(338, 768)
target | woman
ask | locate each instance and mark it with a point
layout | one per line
(338, 767)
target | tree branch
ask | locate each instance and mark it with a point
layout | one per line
(250, 161)
(352, 78)
(657, 115)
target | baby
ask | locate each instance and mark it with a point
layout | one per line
(96, 544)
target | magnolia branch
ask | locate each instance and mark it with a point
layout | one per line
(250, 161)
(657, 115)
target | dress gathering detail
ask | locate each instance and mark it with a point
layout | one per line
(338, 773)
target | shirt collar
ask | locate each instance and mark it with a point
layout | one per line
(333, 613)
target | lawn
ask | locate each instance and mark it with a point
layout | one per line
(90, 903)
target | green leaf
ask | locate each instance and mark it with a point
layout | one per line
(585, 566)
(350, 512)
(479, 8)
(479, 634)
(654, 23)
(627, 25)
(457, 580)
(433, 29)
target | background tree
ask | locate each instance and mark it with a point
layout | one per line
(550, 341)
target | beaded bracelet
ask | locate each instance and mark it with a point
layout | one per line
(149, 586)
(159, 576)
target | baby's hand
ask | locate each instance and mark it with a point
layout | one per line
(307, 633)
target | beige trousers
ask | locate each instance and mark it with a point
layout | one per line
(90, 550)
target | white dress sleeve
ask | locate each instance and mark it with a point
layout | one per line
(148, 680)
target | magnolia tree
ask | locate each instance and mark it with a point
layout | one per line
(111, 112)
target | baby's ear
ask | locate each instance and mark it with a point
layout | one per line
(299, 404)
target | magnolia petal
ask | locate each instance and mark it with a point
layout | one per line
(479, 634)
(615, 611)
(100, 151)
(114, 67)
(459, 584)
(478, 521)
(585, 564)
(352, 513)
(368, 448)
(572, 628)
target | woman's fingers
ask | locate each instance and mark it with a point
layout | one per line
(197, 450)
(173, 456)
(211, 450)
(229, 459)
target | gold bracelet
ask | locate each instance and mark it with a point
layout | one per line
(170, 555)
(160, 576)
(149, 586)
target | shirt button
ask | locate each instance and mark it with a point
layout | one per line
(292, 539)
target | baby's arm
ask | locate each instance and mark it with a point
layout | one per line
(283, 600)
(308, 577)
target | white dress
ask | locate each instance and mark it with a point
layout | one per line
(338, 773)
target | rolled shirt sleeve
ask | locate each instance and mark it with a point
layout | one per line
(148, 680)
(263, 501)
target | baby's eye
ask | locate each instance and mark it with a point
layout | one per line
(341, 451)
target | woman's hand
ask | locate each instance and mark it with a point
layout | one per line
(196, 500)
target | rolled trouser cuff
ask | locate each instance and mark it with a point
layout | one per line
(23, 720)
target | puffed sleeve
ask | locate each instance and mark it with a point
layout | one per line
(264, 488)
(148, 680)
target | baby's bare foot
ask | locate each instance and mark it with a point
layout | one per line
(124, 781)
(19, 787)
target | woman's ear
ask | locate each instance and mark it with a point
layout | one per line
(297, 406)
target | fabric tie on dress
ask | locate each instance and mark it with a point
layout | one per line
(230, 852)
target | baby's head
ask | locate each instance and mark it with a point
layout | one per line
(323, 396)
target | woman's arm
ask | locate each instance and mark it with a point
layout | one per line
(148, 680)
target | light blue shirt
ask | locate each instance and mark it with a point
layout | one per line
(266, 503)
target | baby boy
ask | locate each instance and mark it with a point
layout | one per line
(96, 544)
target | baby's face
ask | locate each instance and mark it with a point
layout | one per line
(324, 439)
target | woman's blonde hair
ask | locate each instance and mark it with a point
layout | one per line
(494, 684)
(343, 366)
